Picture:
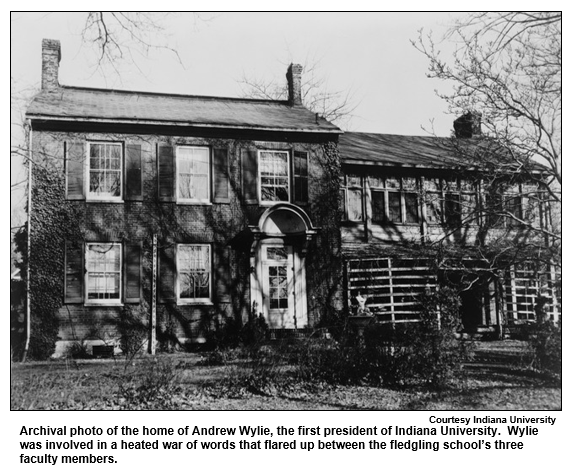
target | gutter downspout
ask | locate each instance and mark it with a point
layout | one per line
(28, 318)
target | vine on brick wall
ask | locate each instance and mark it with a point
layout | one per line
(48, 219)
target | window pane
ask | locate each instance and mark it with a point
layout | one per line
(409, 183)
(193, 173)
(354, 205)
(278, 287)
(433, 208)
(494, 209)
(378, 208)
(451, 184)
(105, 170)
(393, 183)
(452, 209)
(513, 209)
(274, 176)
(432, 184)
(276, 253)
(469, 207)
(376, 182)
(194, 266)
(104, 271)
(394, 207)
(411, 201)
(354, 180)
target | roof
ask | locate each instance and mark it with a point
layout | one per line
(106, 105)
(397, 150)
(430, 152)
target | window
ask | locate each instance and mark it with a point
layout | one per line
(194, 273)
(352, 198)
(103, 272)
(450, 201)
(505, 206)
(433, 199)
(274, 176)
(105, 171)
(192, 174)
(513, 208)
(394, 199)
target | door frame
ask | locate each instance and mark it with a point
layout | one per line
(299, 318)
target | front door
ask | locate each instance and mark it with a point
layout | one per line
(278, 285)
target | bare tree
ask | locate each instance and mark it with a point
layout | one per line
(507, 66)
(337, 106)
(506, 73)
(127, 36)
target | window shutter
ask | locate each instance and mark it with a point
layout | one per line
(166, 172)
(74, 272)
(132, 273)
(250, 176)
(221, 175)
(300, 176)
(133, 173)
(75, 170)
(167, 274)
(222, 273)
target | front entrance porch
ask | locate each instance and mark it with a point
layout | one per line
(278, 269)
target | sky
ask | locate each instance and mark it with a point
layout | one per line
(368, 55)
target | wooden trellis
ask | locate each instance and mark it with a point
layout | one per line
(392, 286)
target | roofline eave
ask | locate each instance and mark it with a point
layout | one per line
(55, 118)
(350, 161)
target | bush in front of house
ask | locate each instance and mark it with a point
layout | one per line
(133, 328)
(426, 352)
(545, 340)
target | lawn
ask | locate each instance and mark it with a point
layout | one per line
(498, 378)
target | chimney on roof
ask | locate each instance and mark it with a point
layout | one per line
(468, 125)
(294, 74)
(51, 55)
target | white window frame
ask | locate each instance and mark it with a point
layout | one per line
(383, 188)
(179, 199)
(90, 196)
(183, 301)
(260, 182)
(346, 186)
(109, 301)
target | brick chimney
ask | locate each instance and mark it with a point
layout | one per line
(293, 75)
(51, 55)
(468, 125)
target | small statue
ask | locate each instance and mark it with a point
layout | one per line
(361, 302)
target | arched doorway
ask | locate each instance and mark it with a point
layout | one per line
(278, 269)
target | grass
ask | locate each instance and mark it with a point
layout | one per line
(499, 378)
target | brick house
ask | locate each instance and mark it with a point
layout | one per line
(189, 211)
(192, 209)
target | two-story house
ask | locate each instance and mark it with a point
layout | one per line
(179, 211)
(183, 209)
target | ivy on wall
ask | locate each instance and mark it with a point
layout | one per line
(55, 220)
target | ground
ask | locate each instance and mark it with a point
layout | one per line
(498, 378)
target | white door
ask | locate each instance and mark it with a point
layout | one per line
(278, 285)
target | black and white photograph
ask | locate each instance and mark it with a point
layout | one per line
(287, 211)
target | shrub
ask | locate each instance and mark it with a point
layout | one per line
(425, 352)
(133, 328)
(437, 353)
(255, 331)
(545, 339)
(150, 385)
(78, 350)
